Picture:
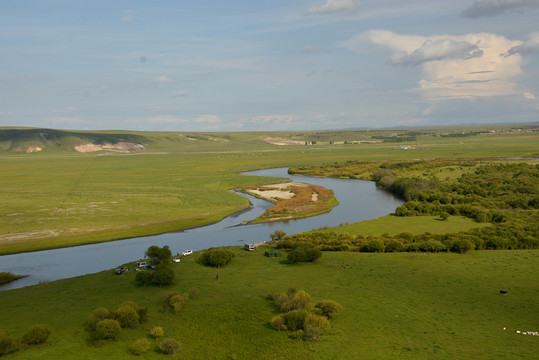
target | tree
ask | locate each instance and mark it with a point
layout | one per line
(37, 334)
(216, 257)
(126, 315)
(444, 216)
(140, 346)
(98, 315)
(277, 235)
(163, 275)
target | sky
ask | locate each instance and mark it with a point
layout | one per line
(267, 65)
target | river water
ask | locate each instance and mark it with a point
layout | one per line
(358, 200)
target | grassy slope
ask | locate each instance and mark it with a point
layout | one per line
(446, 306)
(58, 198)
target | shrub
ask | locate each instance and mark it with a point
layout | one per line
(107, 329)
(37, 334)
(295, 319)
(7, 344)
(329, 308)
(315, 326)
(140, 346)
(98, 315)
(126, 315)
(216, 257)
(175, 301)
(375, 245)
(462, 246)
(169, 346)
(157, 332)
(163, 275)
(304, 253)
(278, 322)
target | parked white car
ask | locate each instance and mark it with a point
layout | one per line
(176, 260)
(187, 252)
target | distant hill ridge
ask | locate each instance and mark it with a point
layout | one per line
(29, 140)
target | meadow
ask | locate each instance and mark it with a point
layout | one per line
(403, 305)
(400, 305)
(58, 197)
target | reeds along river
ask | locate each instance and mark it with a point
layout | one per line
(358, 200)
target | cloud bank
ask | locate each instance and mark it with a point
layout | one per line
(454, 67)
(490, 8)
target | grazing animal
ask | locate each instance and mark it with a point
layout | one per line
(503, 292)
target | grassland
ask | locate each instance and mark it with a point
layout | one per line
(58, 197)
(396, 306)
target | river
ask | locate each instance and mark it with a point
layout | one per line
(358, 200)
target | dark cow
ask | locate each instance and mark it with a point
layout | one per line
(503, 292)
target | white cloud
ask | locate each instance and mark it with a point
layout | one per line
(441, 49)
(528, 47)
(167, 119)
(333, 6)
(208, 119)
(528, 96)
(489, 8)
(179, 94)
(129, 16)
(162, 80)
(467, 66)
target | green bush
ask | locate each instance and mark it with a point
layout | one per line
(107, 329)
(175, 301)
(216, 257)
(140, 346)
(329, 308)
(37, 334)
(295, 319)
(462, 246)
(98, 315)
(157, 332)
(7, 344)
(314, 326)
(126, 315)
(305, 252)
(169, 346)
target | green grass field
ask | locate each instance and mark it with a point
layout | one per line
(58, 197)
(396, 306)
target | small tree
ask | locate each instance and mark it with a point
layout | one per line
(444, 216)
(277, 235)
(157, 332)
(37, 334)
(140, 346)
(163, 275)
(107, 329)
(169, 346)
(315, 326)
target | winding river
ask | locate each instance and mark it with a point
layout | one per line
(358, 200)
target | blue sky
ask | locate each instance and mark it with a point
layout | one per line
(213, 65)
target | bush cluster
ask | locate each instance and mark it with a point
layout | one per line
(107, 324)
(300, 315)
(215, 257)
(37, 334)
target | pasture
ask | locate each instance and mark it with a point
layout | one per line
(398, 305)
